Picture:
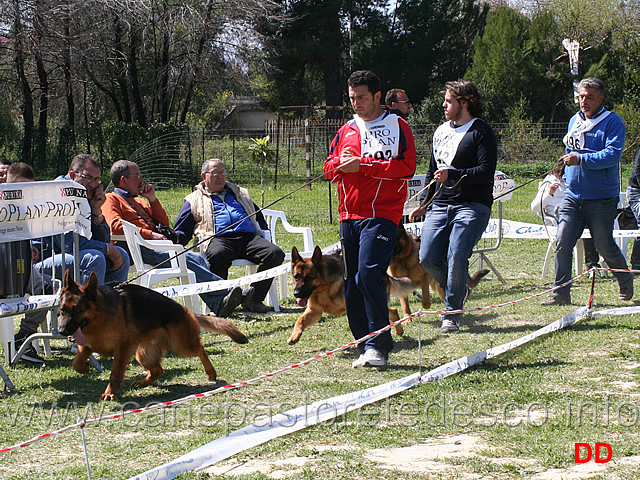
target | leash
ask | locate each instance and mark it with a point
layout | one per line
(214, 235)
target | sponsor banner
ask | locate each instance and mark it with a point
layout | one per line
(41, 209)
(34, 302)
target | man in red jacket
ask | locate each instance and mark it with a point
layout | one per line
(370, 158)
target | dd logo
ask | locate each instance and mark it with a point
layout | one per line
(595, 452)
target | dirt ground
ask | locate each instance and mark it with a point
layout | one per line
(426, 457)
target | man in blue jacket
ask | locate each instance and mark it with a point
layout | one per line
(594, 144)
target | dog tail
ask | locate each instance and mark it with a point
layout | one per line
(400, 287)
(222, 325)
(474, 279)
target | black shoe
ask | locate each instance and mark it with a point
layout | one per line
(556, 301)
(30, 355)
(450, 326)
(247, 293)
(230, 302)
(256, 307)
(626, 293)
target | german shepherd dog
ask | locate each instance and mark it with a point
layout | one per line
(129, 320)
(406, 263)
(319, 283)
(319, 287)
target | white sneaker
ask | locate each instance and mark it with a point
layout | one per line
(359, 362)
(370, 358)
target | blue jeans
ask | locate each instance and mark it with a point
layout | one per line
(367, 249)
(90, 261)
(197, 265)
(574, 215)
(448, 237)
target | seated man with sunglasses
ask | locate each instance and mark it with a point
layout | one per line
(136, 202)
(97, 254)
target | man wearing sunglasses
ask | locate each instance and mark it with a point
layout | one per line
(97, 254)
(398, 101)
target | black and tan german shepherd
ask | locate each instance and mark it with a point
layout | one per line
(406, 263)
(129, 320)
(319, 287)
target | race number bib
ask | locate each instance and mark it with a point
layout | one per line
(380, 138)
(574, 139)
(446, 140)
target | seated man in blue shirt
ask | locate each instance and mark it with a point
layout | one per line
(218, 205)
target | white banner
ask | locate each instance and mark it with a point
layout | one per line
(41, 209)
(323, 410)
(9, 306)
(513, 229)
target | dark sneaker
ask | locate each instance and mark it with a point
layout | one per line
(252, 305)
(449, 326)
(230, 302)
(556, 301)
(247, 293)
(626, 293)
(30, 355)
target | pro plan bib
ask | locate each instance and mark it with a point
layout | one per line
(446, 140)
(574, 139)
(379, 138)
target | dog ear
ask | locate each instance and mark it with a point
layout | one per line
(295, 256)
(316, 258)
(69, 283)
(91, 287)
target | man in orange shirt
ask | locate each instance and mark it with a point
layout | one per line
(136, 202)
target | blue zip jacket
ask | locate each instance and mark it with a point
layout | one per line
(598, 173)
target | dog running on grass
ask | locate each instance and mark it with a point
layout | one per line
(129, 320)
(406, 263)
(319, 287)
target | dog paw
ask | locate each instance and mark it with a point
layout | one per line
(293, 339)
(107, 396)
(81, 368)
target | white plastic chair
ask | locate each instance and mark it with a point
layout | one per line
(578, 251)
(147, 275)
(272, 217)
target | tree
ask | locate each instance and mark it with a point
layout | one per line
(515, 58)
(433, 43)
(135, 62)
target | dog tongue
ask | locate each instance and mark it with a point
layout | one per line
(79, 337)
(302, 301)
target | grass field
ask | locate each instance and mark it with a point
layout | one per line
(516, 416)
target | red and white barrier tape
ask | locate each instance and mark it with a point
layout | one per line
(236, 385)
